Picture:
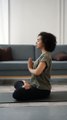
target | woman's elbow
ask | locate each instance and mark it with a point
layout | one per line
(37, 73)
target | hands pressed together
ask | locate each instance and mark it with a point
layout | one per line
(30, 63)
(26, 84)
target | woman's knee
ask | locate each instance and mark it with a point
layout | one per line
(18, 94)
(14, 95)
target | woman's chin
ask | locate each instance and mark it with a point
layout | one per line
(37, 46)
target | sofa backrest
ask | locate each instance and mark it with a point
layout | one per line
(21, 52)
(59, 48)
(37, 53)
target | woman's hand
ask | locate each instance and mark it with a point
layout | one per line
(26, 85)
(30, 63)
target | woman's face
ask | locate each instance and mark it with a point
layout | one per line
(39, 43)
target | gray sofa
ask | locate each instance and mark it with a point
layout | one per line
(59, 67)
(21, 53)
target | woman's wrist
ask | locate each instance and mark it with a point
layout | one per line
(33, 71)
(30, 69)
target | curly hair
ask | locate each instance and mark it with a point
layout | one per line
(49, 41)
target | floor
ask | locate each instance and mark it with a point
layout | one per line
(34, 111)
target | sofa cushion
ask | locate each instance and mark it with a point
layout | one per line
(59, 65)
(60, 56)
(13, 65)
(6, 54)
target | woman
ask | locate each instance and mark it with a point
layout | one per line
(38, 87)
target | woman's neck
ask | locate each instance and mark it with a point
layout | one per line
(43, 50)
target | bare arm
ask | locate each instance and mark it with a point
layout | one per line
(38, 70)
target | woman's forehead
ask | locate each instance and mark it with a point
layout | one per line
(39, 37)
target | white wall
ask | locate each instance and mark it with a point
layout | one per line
(29, 17)
(3, 21)
(65, 21)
